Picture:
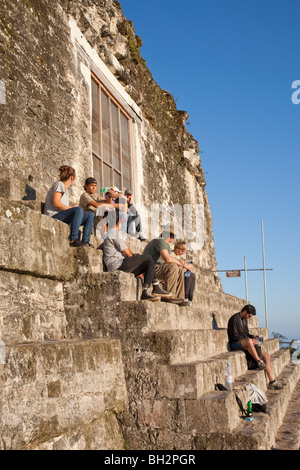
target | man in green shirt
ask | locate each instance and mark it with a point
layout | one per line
(168, 268)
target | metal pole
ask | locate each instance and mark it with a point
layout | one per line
(263, 254)
(246, 288)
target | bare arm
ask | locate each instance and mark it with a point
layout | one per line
(169, 258)
(103, 204)
(56, 202)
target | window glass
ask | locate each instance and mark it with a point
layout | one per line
(110, 140)
(106, 153)
(95, 118)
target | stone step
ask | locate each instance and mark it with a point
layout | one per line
(29, 238)
(222, 426)
(222, 317)
(103, 433)
(217, 301)
(264, 427)
(161, 316)
(31, 308)
(288, 435)
(191, 381)
(50, 389)
(185, 346)
(279, 359)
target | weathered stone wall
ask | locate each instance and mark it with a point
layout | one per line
(46, 119)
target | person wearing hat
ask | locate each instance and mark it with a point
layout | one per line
(169, 269)
(133, 218)
(90, 200)
(115, 196)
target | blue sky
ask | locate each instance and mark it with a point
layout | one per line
(231, 65)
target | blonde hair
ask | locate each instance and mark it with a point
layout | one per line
(180, 245)
(65, 172)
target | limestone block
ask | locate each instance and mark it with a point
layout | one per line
(164, 316)
(102, 434)
(189, 346)
(34, 243)
(191, 381)
(31, 308)
(214, 412)
(48, 389)
(92, 303)
(89, 260)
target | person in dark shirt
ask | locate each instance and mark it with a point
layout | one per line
(240, 339)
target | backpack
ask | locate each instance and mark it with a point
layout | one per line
(257, 397)
(251, 362)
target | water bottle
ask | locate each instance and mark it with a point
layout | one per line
(228, 377)
(249, 416)
(188, 272)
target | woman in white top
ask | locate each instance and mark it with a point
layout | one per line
(57, 206)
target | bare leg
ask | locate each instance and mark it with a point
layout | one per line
(269, 371)
(249, 346)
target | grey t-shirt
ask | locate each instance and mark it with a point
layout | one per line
(57, 187)
(113, 246)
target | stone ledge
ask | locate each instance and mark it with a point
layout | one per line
(232, 431)
(50, 388)
(31, 308)
(33, 243)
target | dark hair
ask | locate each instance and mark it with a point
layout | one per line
(65, 172)
(249, 309)
(113, 218)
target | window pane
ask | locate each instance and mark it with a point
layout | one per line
(105, 128)
(107, 176)
(96, 171)
(115, 136)
(126, 166)
(126, 183)
(95, 118)
(117, 180)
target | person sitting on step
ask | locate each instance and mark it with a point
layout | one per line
(118, 256)
(240, 339)
(189, 281)
(57, 206)
(168, 268)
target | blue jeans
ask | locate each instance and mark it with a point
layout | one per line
(236, 346)
(75, 217)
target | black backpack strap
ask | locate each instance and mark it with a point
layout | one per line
(239, 402)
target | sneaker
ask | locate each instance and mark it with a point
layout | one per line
(146, 296)
(76, 244)
(185, 303)
(274, 386)
(157, 290)
(262, 365)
